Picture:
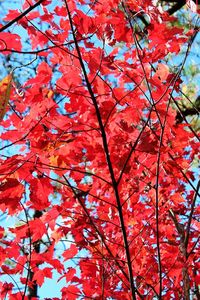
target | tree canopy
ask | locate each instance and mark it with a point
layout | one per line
(99, 150)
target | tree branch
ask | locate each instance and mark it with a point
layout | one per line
(105, 145)
(21, 15)
(190, 216)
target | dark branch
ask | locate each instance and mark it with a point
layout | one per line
(105, 145)
(21, 15)
(184, 113)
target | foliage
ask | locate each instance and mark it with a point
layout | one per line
(97, 172)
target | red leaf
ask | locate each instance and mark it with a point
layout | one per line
(12, 14)
(71, 252)
(11, 191)
(41, 274)
(10, 41)
(71, 292)
(40, 191)
(37, 228)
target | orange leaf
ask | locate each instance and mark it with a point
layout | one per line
(162, 71)
(5, 88)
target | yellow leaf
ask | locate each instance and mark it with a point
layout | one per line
(184, 88)
(5, 88)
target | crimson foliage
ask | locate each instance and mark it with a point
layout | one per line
(100, 175)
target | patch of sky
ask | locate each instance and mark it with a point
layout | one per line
(129, 86)
(55, 198)
(58, 284)
(10, 149)
(87, 180)
(145, 200)
(61, 101)
(52, 286)
(86, 8)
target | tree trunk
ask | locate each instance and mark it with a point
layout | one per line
(33, 292)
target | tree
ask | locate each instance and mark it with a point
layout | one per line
(97, 174)
(175, 5)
